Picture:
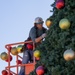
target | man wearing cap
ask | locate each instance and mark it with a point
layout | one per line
(36, 34)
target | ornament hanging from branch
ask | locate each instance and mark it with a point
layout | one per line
(64, 23)
(60, 4)
(48, 23)
(40, 70)
(69, 55)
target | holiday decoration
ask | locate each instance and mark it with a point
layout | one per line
(37, 58)
(14, 51)
(19, 62)
(30, 46)
(19, 47)
(37, 53)
(60, 4)
(4, 72)
(69, 55)
(40, 70)
(8, 58)
(4, 56)
(64, 23)
(48, 23)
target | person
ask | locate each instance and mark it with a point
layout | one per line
(36, 34)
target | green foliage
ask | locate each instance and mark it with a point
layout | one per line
(57, 41)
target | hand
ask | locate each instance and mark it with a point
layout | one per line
(43, 35)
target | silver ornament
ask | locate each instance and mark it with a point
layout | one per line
(69, 55)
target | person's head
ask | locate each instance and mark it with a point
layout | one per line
(39, 22)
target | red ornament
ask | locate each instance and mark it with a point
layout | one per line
(60, 4)
(4, 72)
(8, 58)
(19, 62)
(40, 70)
(30, 46)
(37, 58)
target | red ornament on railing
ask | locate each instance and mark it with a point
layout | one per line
(30, 46)
(4, 72)
(8, 58)
(19, 62)
(60, 4)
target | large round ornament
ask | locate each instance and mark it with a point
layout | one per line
(19, 48)
(19, 62)
(4, 72)
(64, 23)
(40, 70)
(30, 46)
(4, 56)
(14, 51)
(48, 23)
(37, 53)
(60, 4)
(69, 55)
(8, 59)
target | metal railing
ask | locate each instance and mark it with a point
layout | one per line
(8, 47)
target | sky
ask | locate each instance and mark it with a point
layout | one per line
(16, 19)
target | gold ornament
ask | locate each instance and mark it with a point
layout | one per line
(69, 55)
(48, 23)
(19, 48)
(64, 24)
(14, 51)
(4, 56)
(37, 53)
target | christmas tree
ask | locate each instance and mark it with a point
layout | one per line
(58, 50)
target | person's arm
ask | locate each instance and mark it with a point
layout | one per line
(33, 35)
(37, 40)
(40, 38)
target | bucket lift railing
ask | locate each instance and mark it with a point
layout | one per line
(8, 47)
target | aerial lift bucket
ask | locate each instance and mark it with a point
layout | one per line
(28, 67)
